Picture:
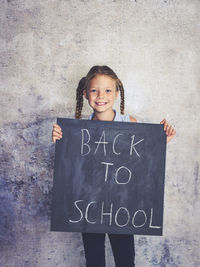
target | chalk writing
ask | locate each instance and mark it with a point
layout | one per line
(102, 141)
(141, 214)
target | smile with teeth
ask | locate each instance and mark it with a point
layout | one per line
(100, 103)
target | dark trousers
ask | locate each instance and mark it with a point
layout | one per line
(122, 246)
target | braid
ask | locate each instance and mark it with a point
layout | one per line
(79, 98)
(121, 89)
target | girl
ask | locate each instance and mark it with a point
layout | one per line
(101, 87)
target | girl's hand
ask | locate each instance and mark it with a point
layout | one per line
(56, 133)
(170, 131)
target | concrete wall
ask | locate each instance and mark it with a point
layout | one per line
(45, 48)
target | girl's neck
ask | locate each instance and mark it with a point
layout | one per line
(109, 116)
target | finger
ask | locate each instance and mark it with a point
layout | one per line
(168, 139)
(57, 135)
(56, 126)
(54, 138)
(163, 121)
(173, 132)
(57, 131)
(165, 125)
(169, 130)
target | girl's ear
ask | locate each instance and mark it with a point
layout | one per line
(85, 93)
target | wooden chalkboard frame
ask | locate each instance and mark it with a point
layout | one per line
(122, 169)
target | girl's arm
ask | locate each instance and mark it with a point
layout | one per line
(170, 131)
(56, 133)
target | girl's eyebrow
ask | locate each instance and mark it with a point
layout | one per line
(106, 87)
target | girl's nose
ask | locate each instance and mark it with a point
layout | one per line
(100, 95)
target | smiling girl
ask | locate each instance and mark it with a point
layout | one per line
(101, 88)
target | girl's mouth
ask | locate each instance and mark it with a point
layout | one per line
(100, 103)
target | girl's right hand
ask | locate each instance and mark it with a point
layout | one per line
(56, 133)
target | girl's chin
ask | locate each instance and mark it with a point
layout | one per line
(101, 110)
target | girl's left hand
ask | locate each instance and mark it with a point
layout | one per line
(170, 131)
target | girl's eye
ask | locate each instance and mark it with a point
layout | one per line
(108, 90)
(93, 90)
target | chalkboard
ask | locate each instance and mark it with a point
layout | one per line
(109, 177)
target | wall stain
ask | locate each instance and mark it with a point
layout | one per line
(196, 179)
(26, 158)
(165, 259)
(7, 216)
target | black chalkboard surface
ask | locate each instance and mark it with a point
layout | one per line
(109, 177)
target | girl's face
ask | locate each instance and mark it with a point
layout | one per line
(101, 93)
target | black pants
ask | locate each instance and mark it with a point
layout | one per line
(122, 247)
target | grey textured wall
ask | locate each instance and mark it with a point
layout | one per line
(45, 48)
